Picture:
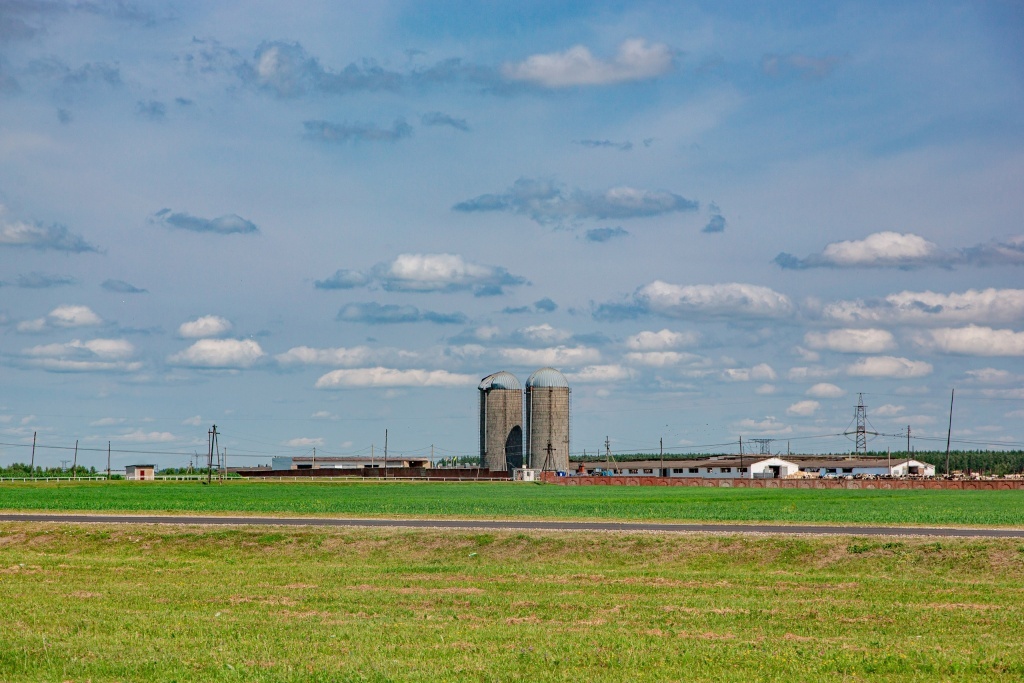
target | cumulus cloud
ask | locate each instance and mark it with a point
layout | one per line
(661, 340)
(94, 355)
(355, 356)
(373, 313)
(932, 308)
(592, 374)
(716, 223)
(304, 442)
(803, 408)
(36, 236)
(543, 334)
(121, 287)
(42, 281)
(768, 426)
(906, 250)
(391, 377)
(635, 60)
(556, 356)
(224, 225)
(731, 299)
(758, 373)
(547, 202)
(219, 353)
(205, 326)
(972, 340)
(805, 66)
(852, 340)
(62, 316)
(890, 367)
(436, 118)
(337, 133)
(427, 273)
(765, 390)
(604, 234)
(993, 376)
(825, 390)
(662, 359)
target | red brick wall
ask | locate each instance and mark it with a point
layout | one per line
(985, 485)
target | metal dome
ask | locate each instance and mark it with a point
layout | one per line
(547, 377)
(500, 380)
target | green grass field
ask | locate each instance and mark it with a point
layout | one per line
(527, 501)
(105, 603)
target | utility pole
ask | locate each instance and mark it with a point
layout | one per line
(32, 467)
(385, 453)
(661, 451)
(212, 435)
(860, 416)
(949, 430)
(741, 450)
(74, 467)
(224, 468)
(108, 461)
(607, 449)
(908, 449)
(432, 454)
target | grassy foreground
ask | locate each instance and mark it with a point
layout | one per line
(106, 603)
(527, 501)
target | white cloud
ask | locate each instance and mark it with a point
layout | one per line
(661, 359)
(544, 333)
(33, 326)
(571, 356)
(219, 353)
(74, 316)
(140, 436)
(728, 299)
(768, 426)
(661, 341)
(765, 390)
(825, 390)
(94, 355)
(601, 373)
(993, 376)
(759, 372)
(206, 326)
(803, 408)
(906, 250)
(635, 60)
(888, 410)
(852, 340)
(107, 422)
(193, 421)
(304, 442)
(890, 367)
(810, 373)
(972, 340)
(806, 354)
(391, 377)
(973, 306)
(426, 273)
(355, 356)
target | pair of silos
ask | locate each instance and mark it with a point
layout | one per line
(547, 417)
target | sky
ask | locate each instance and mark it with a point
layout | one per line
(311, 222)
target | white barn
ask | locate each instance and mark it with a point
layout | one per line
(729, 467)
(853, 467)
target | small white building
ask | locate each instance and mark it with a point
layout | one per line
(725, 467)
(140, 472)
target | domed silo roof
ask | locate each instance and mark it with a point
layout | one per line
(547, 377)
(500, 380)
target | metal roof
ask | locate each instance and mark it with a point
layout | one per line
(500, 380)
(547, 377)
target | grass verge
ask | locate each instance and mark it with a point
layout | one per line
(106, 603)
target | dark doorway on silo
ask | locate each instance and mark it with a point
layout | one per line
(514, 448)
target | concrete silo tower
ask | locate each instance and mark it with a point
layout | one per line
(547, 420)
(501, 421)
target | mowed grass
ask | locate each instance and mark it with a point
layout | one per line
(526, 501)
(108, 603)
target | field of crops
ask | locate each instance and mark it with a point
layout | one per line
(526, 501)
(106, 603)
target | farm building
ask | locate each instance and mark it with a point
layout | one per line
(714, 468)
(308, 462)
(879, 467)
(140, 472)
(548, 411)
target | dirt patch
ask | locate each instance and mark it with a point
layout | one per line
(798, 639)
(531, 619)
(708, 635)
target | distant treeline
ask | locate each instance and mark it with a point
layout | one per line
(984, 462)
(21, 469)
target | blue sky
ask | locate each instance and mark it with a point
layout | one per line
(312, 223)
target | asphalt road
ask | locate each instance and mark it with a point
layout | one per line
(517, 525)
